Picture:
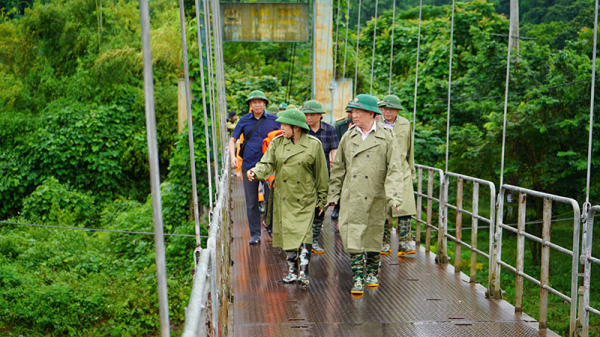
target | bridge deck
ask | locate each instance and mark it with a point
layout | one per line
(416, 297)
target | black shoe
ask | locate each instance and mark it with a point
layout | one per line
(255, 240)
(336, 213)
(269, 229)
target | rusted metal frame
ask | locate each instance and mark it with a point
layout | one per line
(197, 321)
(587, 260)
(458, 225)
(474, 221)
(495, 291)
(440, 257)
(520, 252)
(419, 204)
(464, 211)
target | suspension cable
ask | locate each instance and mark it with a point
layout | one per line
(159, 244)
(510, 32)
(211, 83)
(392, 44)
(337, 27)
(373, 54)
(213, 116)
(449, 84)
(202, 84)
(357, 44)
(345, 54)
(589, 164)
(188, 105)
(416, 75)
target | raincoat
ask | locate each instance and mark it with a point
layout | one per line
(366, 177)
(406, 155)
(300, 184)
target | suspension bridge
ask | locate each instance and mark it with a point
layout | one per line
(236, 289)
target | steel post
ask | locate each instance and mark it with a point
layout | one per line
(429, 211)
(419, 207)
(459, 206)
(520, 252)
(545, 272)
(474, 224)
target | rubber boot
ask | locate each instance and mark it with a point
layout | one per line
(404, 248)
(304, 260)
(387, 237)
(373, 265)
(357, 264)
(316, 229)
(292, 261)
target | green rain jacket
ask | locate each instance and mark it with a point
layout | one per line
(300, 184)
(406, 154)
(366, 180)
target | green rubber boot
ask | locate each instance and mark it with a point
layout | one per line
(316, 229)
(404, 248)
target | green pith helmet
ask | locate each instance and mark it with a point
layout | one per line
(291, 106)
(293, 117)
(365, 102)
(283, 106)
(257, 94)
(273, 109)
(391, 101)
(312, 107)
(348, 107)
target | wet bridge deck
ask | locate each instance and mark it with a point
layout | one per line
(416, 297)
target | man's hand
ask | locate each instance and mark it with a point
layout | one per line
(250, 175)
(396, 207)
(234, 163)
(320, 209)
(331, 204)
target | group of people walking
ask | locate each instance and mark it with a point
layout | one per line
(363, 168)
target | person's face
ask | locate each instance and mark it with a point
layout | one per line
(389, 114)
(313, 119)
(234, 118)
(257, 105)
(362, 118)
(287, 130)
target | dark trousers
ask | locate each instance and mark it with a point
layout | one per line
(252, 212)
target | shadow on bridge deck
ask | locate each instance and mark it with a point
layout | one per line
(416, 297)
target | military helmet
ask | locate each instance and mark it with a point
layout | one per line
(291, 106)
(293, 117)
(365, 102)
(311, 107)
(348, 107)
(257, 94)
(273, 109)
(283, 106)
(391, 101)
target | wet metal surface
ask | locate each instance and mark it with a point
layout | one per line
(416, 297)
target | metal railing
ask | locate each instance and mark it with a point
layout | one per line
(475, 217)
(495, 291)
(206, 313)
(586, 260)
(431, 171)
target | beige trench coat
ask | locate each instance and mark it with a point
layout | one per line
(366, 180)
(406, 154)
(300, 184)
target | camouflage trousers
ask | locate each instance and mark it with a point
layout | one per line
(403, 233)
(365, 263)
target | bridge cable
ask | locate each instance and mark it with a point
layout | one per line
(416, 74)
(337, 27)
(392, 44)
(449, 84)
(206, 137)
(188, 106)
(213, 116)
(510, 32)
(357, 45)
(343, 103)
(373, 54)
(587, 205)
(96, 229)
(159, 244)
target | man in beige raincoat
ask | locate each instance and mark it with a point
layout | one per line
(300, 187)
(366, 180)
(390, 106)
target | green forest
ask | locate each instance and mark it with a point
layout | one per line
(73, 148)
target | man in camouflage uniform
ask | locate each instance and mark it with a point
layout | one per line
(390, 106)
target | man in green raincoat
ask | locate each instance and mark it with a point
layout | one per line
(390, 106)
(341, 126)
(366, 180)
(300, 187)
